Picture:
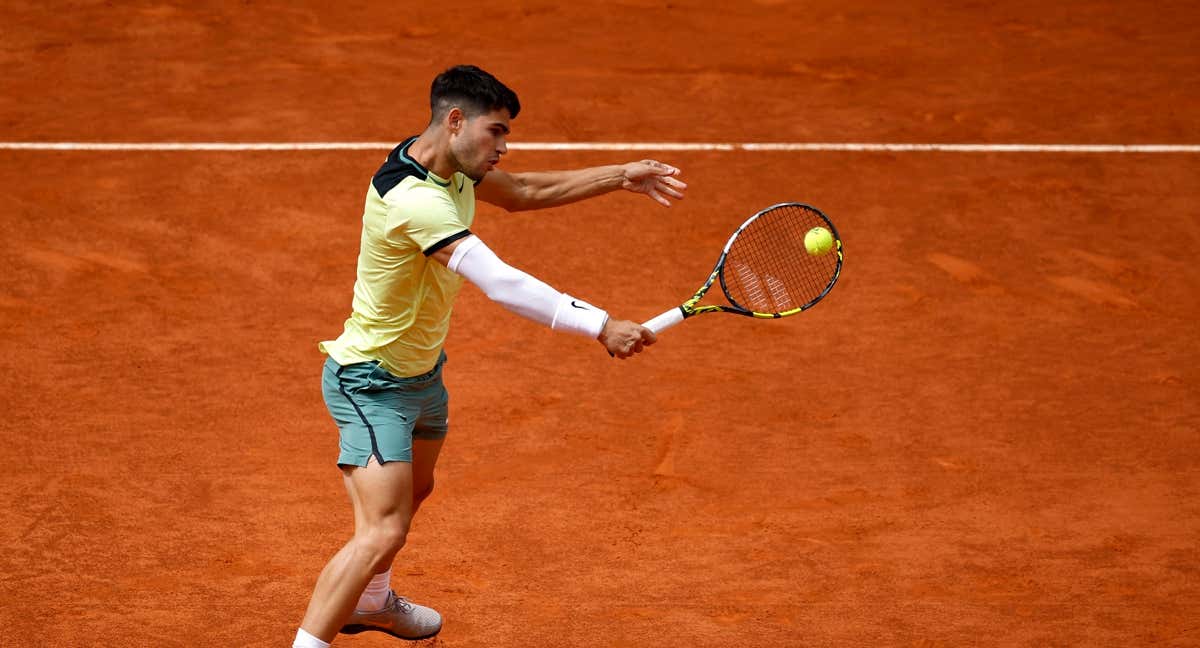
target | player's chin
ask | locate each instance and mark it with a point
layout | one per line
(478, 175)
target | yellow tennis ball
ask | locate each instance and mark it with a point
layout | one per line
(818, 241)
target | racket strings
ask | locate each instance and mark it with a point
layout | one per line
(767, 268)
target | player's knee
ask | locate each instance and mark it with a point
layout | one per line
(393, 535)
(383, 540)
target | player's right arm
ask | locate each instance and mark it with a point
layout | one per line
(542, 189)
(533, 299)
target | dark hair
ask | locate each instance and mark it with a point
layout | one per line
(473, 90)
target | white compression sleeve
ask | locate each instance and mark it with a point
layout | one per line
(523, 294)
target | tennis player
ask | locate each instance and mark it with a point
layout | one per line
(382, 380)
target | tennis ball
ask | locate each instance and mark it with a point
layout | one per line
(818, 241)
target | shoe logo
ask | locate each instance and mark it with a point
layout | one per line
(576, 305)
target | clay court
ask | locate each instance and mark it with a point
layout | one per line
(987, 435)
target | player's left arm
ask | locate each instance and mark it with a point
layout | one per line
(541, 189)
(533, 299)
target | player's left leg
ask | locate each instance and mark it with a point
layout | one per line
(425, 456)
(429, 433)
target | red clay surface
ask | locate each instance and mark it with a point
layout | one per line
(987, 435)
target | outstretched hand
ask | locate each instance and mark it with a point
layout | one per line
(654, 179)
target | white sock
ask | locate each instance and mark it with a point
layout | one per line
(305, 640)
(375, 596)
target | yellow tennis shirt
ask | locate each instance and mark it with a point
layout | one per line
(402, 298)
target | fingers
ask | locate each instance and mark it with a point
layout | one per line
(660, 168)
(658, 198)
(648, 336)
(663, 188)
(631, 341)
(630, 349)
(645, 337)
(654, 179)
(662, 171)
(657, 192)
(672, 187)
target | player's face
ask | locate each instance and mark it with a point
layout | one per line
(480, 142)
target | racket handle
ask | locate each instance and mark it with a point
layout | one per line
(665, 321)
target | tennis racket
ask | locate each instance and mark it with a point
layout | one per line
(765, 269)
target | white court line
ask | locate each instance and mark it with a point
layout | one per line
(614, 146)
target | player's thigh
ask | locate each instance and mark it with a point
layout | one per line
(381, 493)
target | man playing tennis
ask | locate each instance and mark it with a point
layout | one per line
(382, 381)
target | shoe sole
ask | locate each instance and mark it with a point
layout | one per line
(356, 628)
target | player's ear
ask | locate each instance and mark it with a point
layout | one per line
(455, 119)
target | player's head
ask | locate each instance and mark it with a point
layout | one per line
(474, 108)
(473, 91)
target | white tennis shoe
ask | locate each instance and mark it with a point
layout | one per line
(399, 618)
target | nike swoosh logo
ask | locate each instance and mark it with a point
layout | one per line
(578, 306)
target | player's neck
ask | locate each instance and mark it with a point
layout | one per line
(432, 151)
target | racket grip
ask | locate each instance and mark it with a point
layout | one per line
(665, 321)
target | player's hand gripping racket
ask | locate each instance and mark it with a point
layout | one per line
(768, 269)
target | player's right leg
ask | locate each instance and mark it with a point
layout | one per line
(382, 498)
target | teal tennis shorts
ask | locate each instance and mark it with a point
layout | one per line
(378, 414)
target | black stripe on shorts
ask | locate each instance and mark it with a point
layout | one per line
(361, 415)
